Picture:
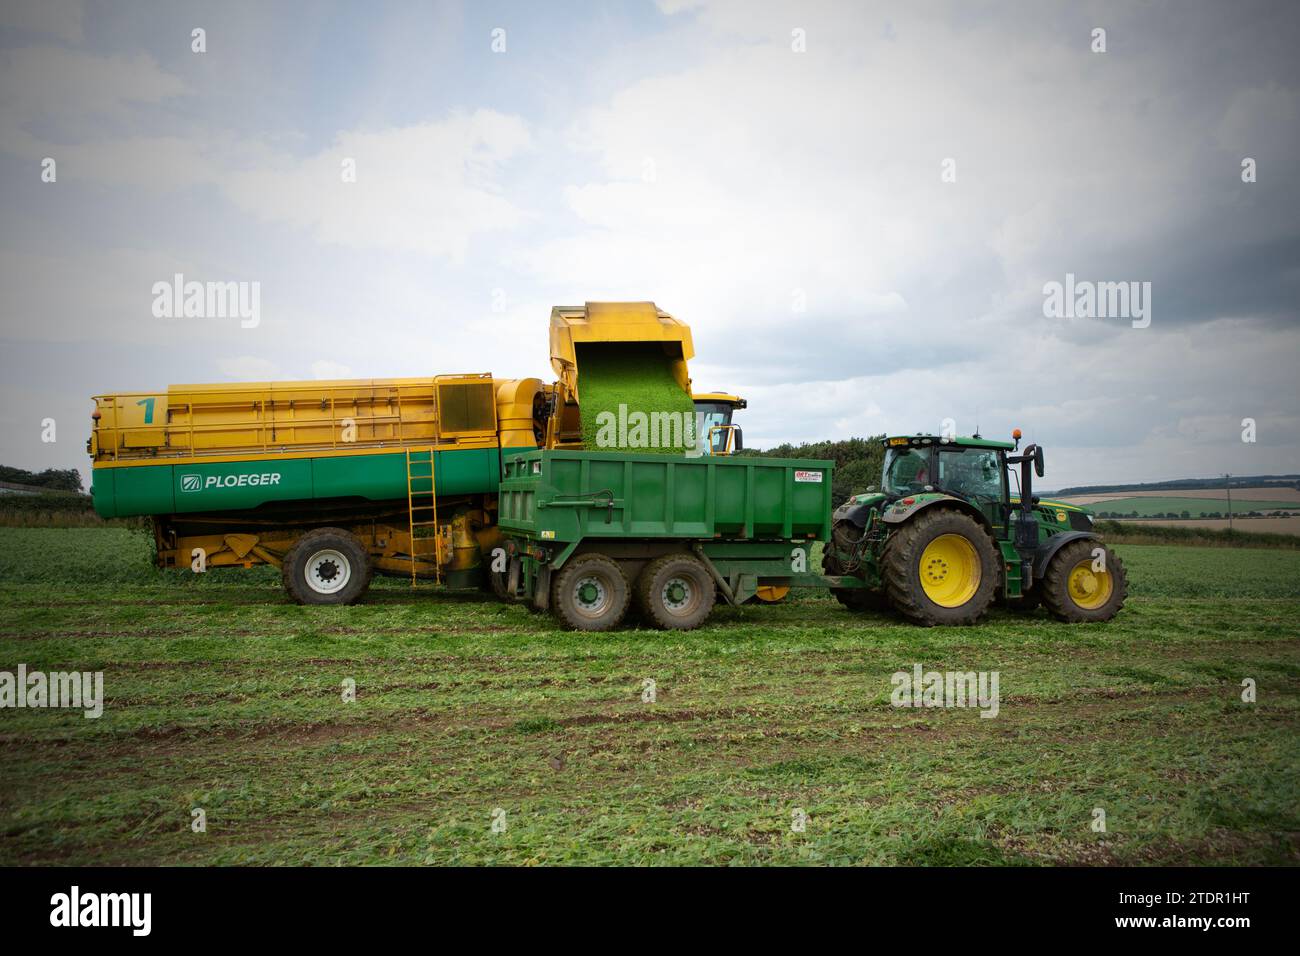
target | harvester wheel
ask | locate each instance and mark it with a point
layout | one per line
(845, 535)
(940, 568)
(590, 593)
(1083, 586)
(327, 566)
(675, 592)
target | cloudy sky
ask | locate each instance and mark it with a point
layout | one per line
(855, 206)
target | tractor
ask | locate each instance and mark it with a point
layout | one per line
(946, 535)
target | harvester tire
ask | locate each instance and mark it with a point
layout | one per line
(590, 593)
(940, 568)
(327, 566)
(675, 592)
(1075, 591)
(845, 534)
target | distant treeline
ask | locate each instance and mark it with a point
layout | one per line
(55, 479)
(858, 462)
(1188, 484)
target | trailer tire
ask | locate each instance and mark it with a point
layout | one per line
(675, 592)
(498, 583)
(327, 566)
(590, 593)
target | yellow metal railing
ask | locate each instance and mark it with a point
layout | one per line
(298, 416)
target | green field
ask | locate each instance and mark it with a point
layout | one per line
(1195, 507)
(221, 696)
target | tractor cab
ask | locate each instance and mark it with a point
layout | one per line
(715, 433)
(972, 469)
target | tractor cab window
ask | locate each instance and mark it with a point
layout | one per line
(907, 471)
(972, 473)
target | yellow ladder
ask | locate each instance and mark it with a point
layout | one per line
(422, 506)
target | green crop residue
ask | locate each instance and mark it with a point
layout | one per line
(631, 402)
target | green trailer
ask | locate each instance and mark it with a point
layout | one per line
(587, 534)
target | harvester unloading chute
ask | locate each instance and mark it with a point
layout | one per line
(639, 323)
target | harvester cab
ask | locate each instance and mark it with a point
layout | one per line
(715, 432)
(945, 536)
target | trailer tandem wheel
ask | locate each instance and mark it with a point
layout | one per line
(676, 592)
(590, 593)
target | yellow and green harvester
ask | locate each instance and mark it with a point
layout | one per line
(335, 480)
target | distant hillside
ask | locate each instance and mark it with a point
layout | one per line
(1187, 484)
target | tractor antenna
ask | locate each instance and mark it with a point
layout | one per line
(977, 422)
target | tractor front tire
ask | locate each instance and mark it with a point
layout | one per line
(1076, 590)
(675, 592)
(940, 568)
(326, 566)
(590, 593)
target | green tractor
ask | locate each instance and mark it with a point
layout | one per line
(946, 535)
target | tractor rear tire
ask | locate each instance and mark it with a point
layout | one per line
(675, 592)
(327, 566)
(590, 593)
(940, 568)
(845, 535)
(1072, 591)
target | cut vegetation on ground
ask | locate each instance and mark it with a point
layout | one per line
(222, 696)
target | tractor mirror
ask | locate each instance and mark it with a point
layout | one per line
(1038, 461)
(740, 439)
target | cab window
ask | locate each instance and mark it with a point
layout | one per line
(971, 473)
(907, 470)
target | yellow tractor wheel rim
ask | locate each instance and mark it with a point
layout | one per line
(950, 570)
(771, 593)
(1088, 588)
